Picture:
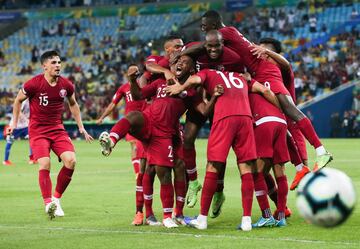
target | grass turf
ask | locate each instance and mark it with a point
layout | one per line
(100, 203)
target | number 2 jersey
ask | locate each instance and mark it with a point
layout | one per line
(46, 103)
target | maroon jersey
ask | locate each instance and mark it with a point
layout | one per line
(165, 111)
(262, 108)
(46, 103)
(235, 99)
(130, 104)
(261, 70)
(288, 78)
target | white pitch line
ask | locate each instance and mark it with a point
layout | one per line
(92, 230)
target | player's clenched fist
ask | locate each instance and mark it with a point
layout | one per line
(218, 90)
(133, 72)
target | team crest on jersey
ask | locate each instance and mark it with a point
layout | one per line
(63, 93)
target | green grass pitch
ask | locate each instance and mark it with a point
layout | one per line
(100, 203)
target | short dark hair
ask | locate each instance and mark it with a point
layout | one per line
(48, 55)
(275, 43)
(172, 37)
(213, 16)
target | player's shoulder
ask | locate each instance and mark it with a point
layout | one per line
(229, 53)
(153, 58)
(36, 78)
(64, 80)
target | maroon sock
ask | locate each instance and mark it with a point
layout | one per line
(45, 185)
(208, 190)
(308, 131)
(271, 186)
(247, 192)
(190, 163)
(293, 151)
(136, 164)
(167, 199)
(139, 193)
(220, 181)
(261, 194)
(180, 192)
(148, 194)
(63, 180)
(119, 130)
(282, 193)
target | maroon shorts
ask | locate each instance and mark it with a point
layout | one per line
(58, 142)
(233, 131)
(270, 140)
(298, 137)
(162, 151)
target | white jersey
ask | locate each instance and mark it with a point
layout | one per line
(24, 116)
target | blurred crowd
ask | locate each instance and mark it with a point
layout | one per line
(348, 124)
(317, 69)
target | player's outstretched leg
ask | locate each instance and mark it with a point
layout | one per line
(301, 169)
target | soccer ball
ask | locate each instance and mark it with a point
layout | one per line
(326, 198)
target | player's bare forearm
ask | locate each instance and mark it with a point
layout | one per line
(206, 109)
(195, 50)
(135, 90)
(271, 97)
(16, 109)
(281, 60)
(155, 68)
(106, 113)
(177, 88)
(75, 111)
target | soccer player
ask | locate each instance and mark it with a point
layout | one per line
(20, 132)
(158, 66)
(138, 158)
(271, 49)
(270, 137)
(46, 93)
(214, 56)
(232, 127)
(157, 126)
(265, 71)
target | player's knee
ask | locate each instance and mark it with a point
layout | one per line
(70, 162)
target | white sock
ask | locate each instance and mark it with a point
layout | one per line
(202, 218)
(299, 167)
(320, 151)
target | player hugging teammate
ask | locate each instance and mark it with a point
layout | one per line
(262, 110)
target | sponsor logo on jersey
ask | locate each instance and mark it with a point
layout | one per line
(63, 93)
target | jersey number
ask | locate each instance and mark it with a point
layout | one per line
(129, 97)
(171, 155)
(236, 82)
(44, 100)
(161, 93)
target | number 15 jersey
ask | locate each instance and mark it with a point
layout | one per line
(46, 103)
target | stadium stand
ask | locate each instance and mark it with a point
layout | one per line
(321, 39)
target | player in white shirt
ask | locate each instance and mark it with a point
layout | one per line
(20, 132)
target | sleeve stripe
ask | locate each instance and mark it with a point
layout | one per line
(23, 90)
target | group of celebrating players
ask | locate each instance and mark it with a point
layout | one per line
(246, 91)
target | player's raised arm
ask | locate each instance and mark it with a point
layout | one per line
(206, 108)
(16, 111)
(157, 69)
(75, 110)
(178, 88)
(261, 51)
(266, 92)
